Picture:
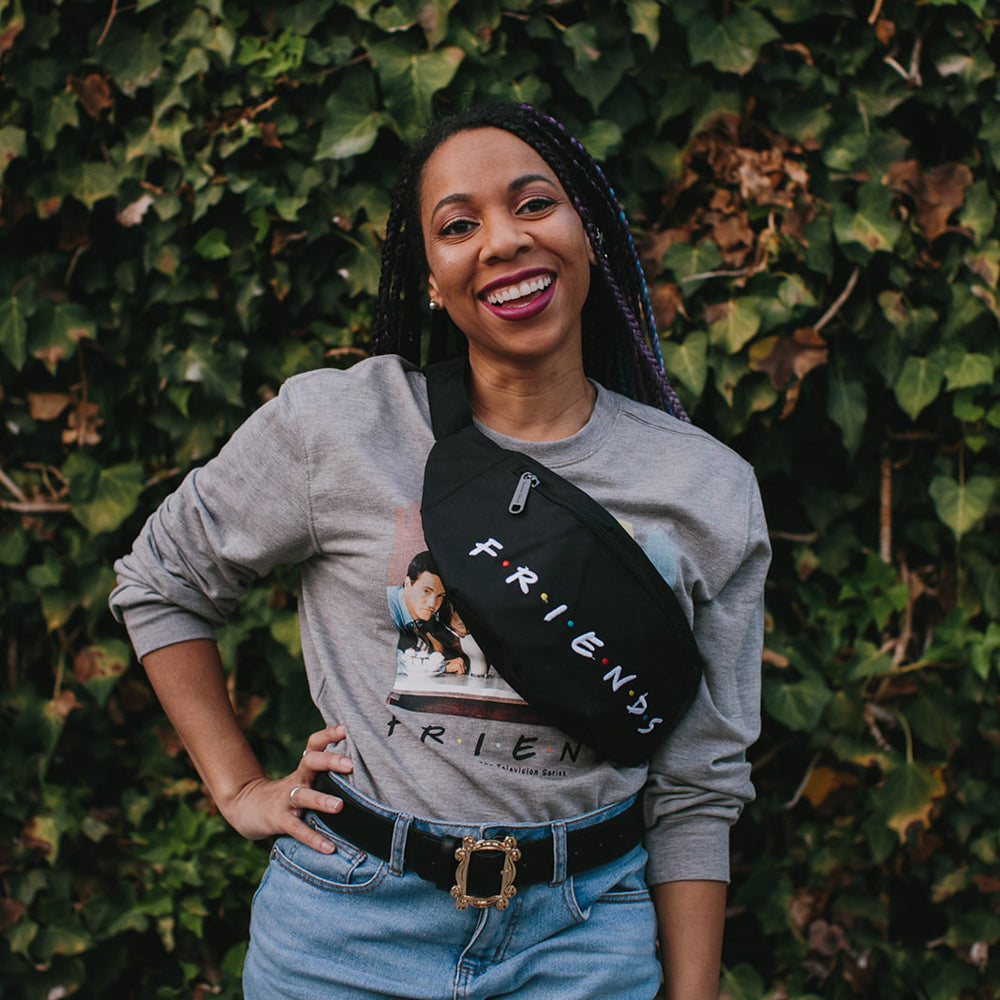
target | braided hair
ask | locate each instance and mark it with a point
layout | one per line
(620, 344)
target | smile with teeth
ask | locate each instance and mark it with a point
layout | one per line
(499, 296)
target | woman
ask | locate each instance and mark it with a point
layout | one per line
(510, 229)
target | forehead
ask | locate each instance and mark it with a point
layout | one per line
(477, 157)
(427, 579)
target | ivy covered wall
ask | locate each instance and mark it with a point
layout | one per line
(191, 198)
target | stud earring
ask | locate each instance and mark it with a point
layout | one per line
(433, 304)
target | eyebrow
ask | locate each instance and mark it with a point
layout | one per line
(515, 185)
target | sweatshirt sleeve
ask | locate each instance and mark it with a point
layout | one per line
(228, 523)
(699, 780)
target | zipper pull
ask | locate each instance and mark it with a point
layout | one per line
(520, 497)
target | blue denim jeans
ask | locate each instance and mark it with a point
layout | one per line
(347, 926)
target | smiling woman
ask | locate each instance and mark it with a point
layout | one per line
(509, 261)
(443, 836)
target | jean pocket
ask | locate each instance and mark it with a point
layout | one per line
(348, 869)
(619, 881)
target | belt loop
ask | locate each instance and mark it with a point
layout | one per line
(558, 853)
(397, 852)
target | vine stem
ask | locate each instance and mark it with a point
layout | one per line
(12, 486)
(839, 301)
(107, 24)
(908, 736)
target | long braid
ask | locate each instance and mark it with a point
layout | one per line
(647, 342)
(626, 358)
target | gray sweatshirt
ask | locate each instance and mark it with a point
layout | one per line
(328, 476)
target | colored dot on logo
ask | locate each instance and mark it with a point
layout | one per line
(545, 597)
(570, 624)
(631, 694)
(604, 661)
(505, 563)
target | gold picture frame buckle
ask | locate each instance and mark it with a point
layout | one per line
(463, 854)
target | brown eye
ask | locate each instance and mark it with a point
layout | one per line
(536, 204)
(458, 227)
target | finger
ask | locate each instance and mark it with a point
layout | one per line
(324, 737)
(323, 760)
(308, 798)
(305, 834)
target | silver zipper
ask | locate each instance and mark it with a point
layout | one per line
(520, 497)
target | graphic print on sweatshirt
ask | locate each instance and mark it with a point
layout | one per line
(445, 696)
(440, 669)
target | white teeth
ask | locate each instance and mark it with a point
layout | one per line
(501, 295)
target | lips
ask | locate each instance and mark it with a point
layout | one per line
(519, 296)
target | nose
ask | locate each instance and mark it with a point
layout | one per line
(504, 236)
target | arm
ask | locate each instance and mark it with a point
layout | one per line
(188, 680)
(700, 779)
(690, 916)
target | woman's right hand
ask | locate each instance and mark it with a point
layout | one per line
(264, 808)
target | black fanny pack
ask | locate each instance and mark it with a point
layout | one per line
(563, 602)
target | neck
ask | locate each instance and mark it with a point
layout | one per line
(535, 404)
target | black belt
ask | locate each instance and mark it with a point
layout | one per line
(482, 873)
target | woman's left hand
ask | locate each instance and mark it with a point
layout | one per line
(262, 808)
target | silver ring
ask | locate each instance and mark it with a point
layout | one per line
(291, 796)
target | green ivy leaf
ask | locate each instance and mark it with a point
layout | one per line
(918, 385)
(644, 16)
(92, 182)
(686, 260)
(798, 705)
(14, 313)
(212, 245)
(961, 505)
(733, 44)
(115, 497)
(59, 111)
(411, 79)
(847, 405)
(133, 59)
(217, 367)
(13, 143)
(737, 325)
(979, 211)
(870, 229)
(907, 796)
(362, 267)
(351, 121)
(687, 362)
(971, 369)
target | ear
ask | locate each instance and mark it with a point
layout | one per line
(433, 292)
(591, 256)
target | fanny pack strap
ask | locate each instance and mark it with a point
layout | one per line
(448, 396)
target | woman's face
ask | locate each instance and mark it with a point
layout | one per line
(507, 254)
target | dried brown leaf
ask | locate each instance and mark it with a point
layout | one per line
(935, 193)
(11, 911)
(667, 302)
(269, 135)
(8, 35)
(92, 91)
(47, 405)
(783, 357)
(826, 939)
(61, 705)
(884, 30)
(82, 424)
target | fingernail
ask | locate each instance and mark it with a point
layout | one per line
(334, 805)
(327, 847)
